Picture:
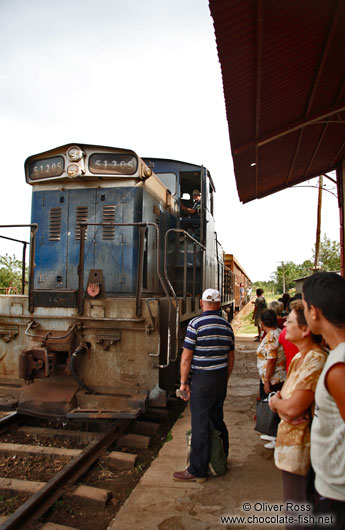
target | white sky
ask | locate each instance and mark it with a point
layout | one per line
(143, 75)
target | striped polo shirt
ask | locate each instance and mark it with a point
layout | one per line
(210, 337)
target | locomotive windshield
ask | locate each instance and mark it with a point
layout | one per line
(169, 179)
(46, 168)
(113, 164)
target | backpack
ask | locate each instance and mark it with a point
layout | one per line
(217, 463)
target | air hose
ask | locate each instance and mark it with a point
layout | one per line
(80, 350)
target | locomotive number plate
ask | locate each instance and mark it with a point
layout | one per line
(113, 164)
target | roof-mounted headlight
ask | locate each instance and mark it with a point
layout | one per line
(74, 170)
(74, 153)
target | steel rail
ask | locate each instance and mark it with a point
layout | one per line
(26, 517)
(9, 421)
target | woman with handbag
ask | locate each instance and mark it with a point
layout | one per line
(270, 362)
(294, 405)
(270, 356)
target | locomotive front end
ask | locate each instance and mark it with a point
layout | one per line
(96, 329)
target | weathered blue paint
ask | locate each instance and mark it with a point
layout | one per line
(57, 261)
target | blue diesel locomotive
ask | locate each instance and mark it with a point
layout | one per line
(113, 281)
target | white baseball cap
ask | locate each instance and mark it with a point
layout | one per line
(211, 295)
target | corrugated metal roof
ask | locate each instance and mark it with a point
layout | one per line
(283, 67)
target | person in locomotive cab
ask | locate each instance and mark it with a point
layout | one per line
(191, 216)
(208, 350)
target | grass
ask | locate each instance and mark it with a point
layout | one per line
(247, 325)
(169, 437)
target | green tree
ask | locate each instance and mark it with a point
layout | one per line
(10, 273)
(288, 271)
(329, 258)
(305, 268)
(284, 276)
(267, 286)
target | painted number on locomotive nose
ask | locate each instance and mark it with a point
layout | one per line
(47, 167)
(113, 164)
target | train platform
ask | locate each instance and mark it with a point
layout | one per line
(249, 489)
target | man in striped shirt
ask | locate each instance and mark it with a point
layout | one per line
(208, 350)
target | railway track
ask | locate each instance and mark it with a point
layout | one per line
(74, 477)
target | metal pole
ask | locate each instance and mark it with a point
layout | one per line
(23, 268)
(33, 231)
(318, 226)
(83, 228)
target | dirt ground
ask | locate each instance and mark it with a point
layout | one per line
(72, 512)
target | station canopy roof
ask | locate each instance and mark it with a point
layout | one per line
(283, 67)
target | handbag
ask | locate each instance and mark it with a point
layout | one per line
(266, 420)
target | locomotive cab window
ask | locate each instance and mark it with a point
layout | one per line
(189, 182)
(192, 204)
(169, 179)
(211, 199)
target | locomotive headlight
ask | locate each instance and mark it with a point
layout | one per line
(74, 154)
(73, 170)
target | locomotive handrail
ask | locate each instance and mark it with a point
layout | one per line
(195, 241)
(24, 243)
(49, 334)
(33, 229)
(83, 227)
(203, 248)
(82, 243)
(226, 272)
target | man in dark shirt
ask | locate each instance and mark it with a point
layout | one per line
(192, 215)
(208, 350)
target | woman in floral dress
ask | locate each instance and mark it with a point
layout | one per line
(270, 356)
(294, 405)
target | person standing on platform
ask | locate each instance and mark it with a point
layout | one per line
(241, 295)
(208, 350)
(324, 310)
(260, 304)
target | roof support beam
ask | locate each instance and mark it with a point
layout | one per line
(319, 143)
(326, 49)
(259, 41)
(292, 128)
(312, 96)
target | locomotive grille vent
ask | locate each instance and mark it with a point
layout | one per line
(80, 217)
(108, 217)
(54, 224)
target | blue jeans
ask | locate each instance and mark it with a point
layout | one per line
(208, 392)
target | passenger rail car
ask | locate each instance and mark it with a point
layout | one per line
(240, 278)
(113, 282)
